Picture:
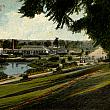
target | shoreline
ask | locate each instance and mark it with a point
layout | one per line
(3, 60)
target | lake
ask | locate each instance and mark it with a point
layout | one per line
(14, 68)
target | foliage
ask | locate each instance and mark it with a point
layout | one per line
(3, 75)
(39, 62)
(52, 64)
(47, 43)
(56, 42)
(25, 76)
(63, 61)
(70, 64)
(16, 46)
(95, 22)
(22, 44)
(59, 69)
(1, 43)
(42, 65)
(43, 88)
(62, 43)
(53, 58)
(69, 58)
(35, 71)
(38, 43)
(7, 44)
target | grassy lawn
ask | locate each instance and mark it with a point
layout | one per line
(38, 82)
(13, 88)
(53, 91)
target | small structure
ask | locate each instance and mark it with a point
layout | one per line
(1, 51)
(28, 50)
(59, 50)
(33, 50)
(99, 53)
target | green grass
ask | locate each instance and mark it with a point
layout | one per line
(54, 89)
(20, 98)
(9, 101)
(49, 80)
(80, 88)
(13, 88)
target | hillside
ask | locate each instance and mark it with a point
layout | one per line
(64, 91)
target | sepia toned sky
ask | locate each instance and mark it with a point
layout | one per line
(12, 26)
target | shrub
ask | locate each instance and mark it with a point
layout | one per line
(54, 59)
(63, 61)
(75, 63)
(11, 77)
(69, 58)
(58, 69)
(3, 75)
(25, 76)
(51, 65)
(70, 64)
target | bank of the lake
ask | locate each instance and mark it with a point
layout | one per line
(60, 91)
(15, 68)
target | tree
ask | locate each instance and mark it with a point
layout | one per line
(69, 58)
(38, 43)
(47, 43)
(7, 44)
(62, 43)
(56, 42)
(3, 75)
(1, 43)
(63, 61)
(96, 21)
(16, 44)
(30, 43)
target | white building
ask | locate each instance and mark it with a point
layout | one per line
(33, 50)
(98, 53)
(28, 50)
(1, 51)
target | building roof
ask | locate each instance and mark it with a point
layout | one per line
(33, 47)
(98, 53)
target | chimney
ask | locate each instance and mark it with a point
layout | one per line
(12, 44)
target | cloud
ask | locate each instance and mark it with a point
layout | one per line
(6, 6)
(38, 28)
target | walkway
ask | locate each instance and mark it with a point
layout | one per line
(44, 74)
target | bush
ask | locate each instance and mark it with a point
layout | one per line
(70, 64)
(25, 76)
(75, 63)
(88, 64)
(69, 58)
(58, 68)
(54, 59)
(63, 61)
(51, 65)
(3, 75)
(11, 77)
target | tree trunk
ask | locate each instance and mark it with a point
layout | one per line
(109, 58)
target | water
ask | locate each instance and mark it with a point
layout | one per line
(15, 68)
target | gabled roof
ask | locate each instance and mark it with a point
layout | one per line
(33, 47)
(99, 52)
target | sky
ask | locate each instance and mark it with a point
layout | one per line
(12, 26)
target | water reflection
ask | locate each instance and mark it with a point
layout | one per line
(16, 68)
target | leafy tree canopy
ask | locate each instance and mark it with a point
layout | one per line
(56, 42)
(47, 43)
(96, 21)
(62, 43)
(7, 44)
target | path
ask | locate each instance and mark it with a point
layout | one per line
(10, 80)
(40, 75)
